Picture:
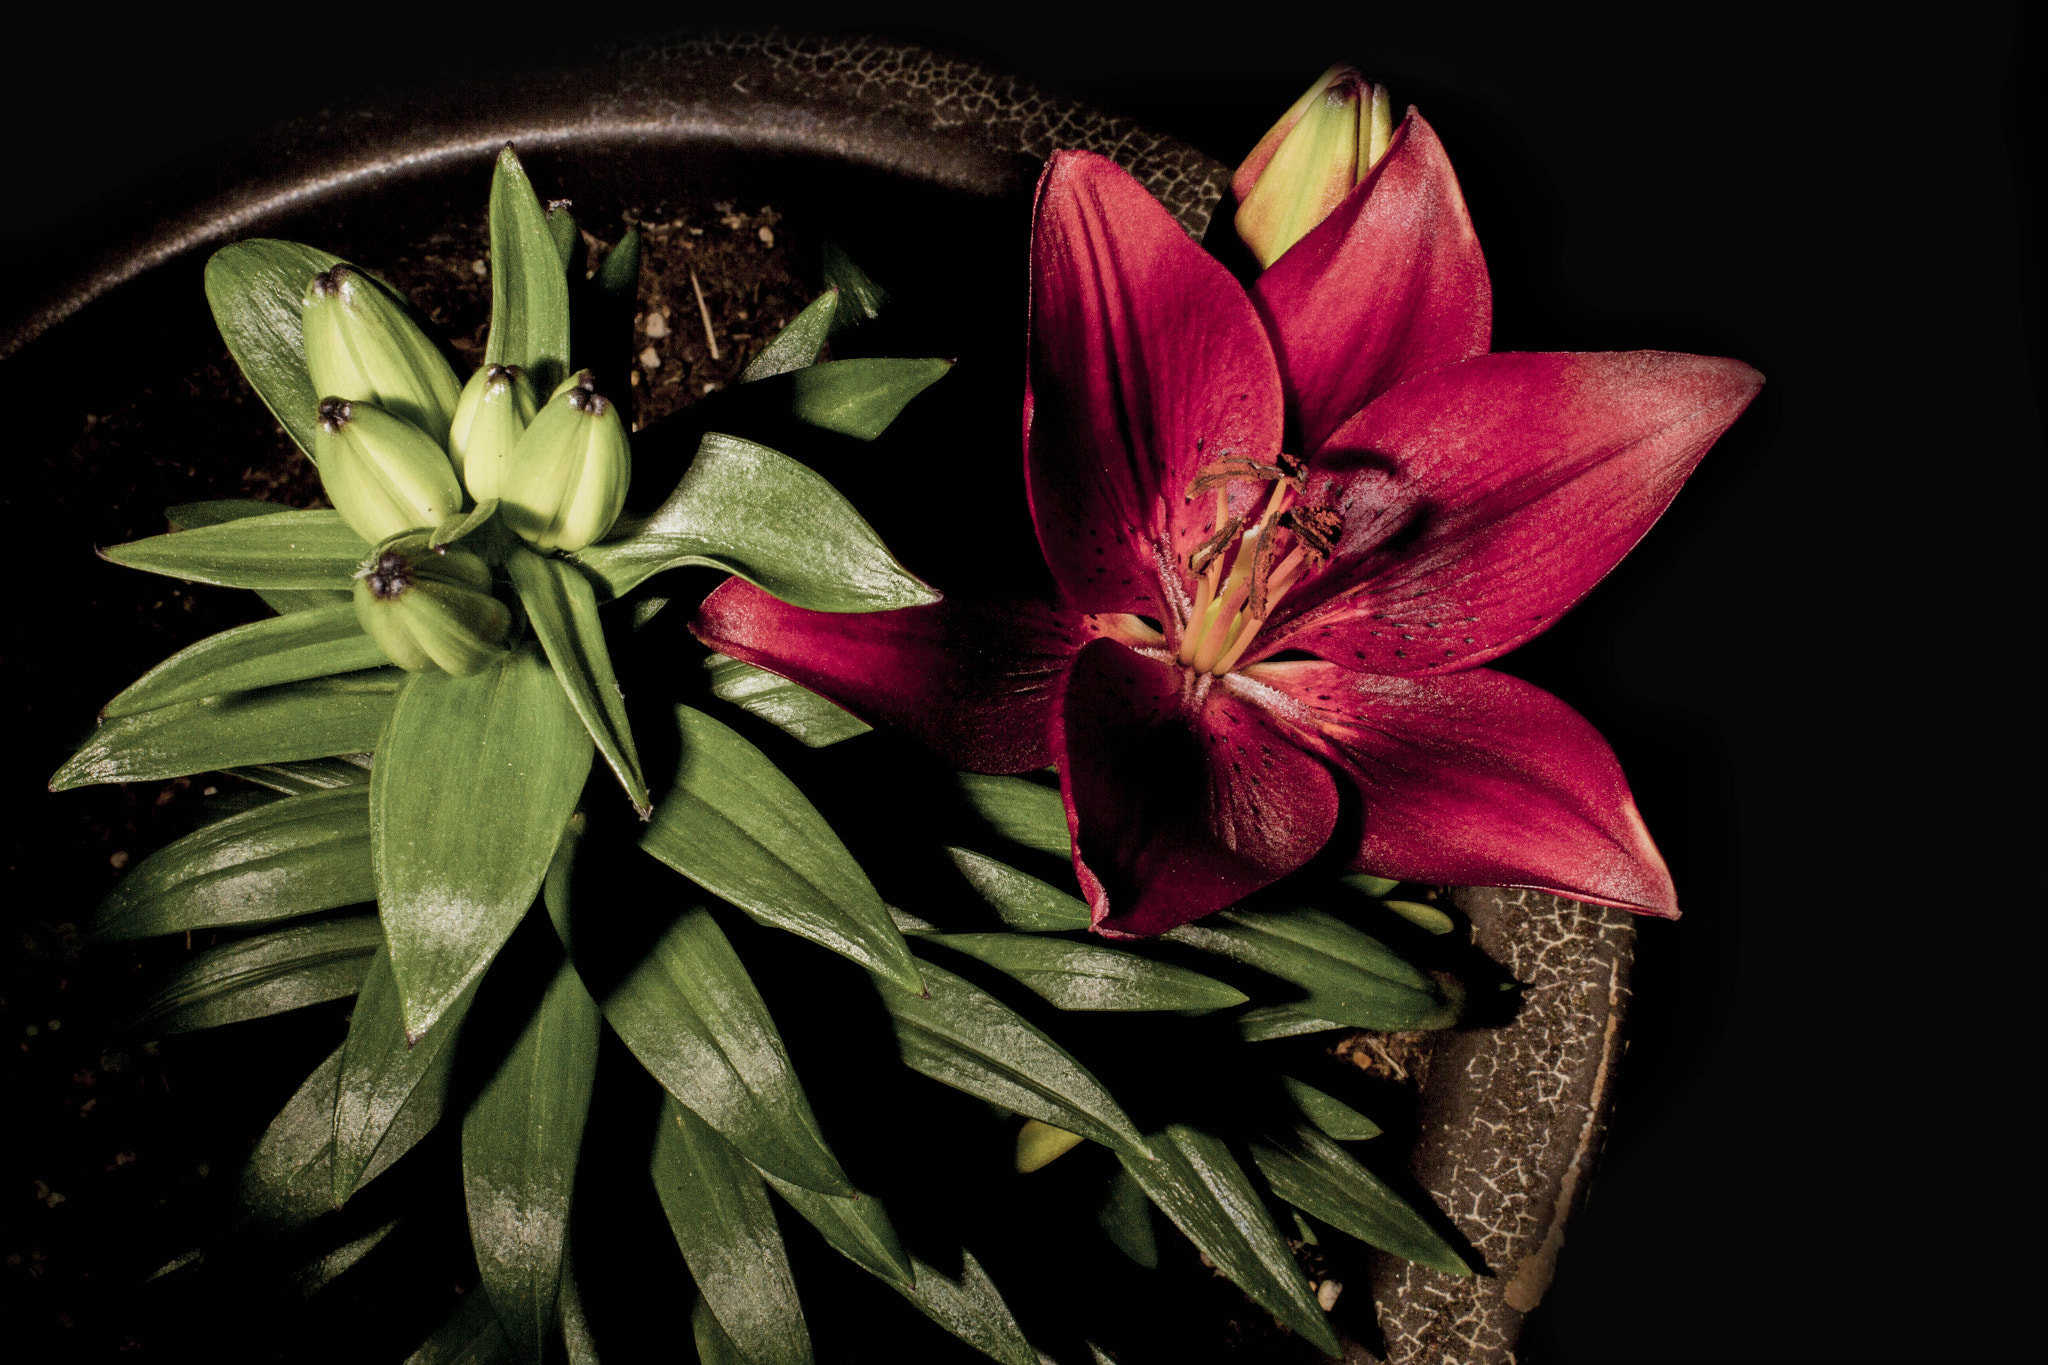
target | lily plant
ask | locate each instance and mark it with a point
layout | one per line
(423, 825)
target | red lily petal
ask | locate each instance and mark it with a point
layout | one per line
(1147, 362)
(974, 681)
(1480, 501)
(1478, 779)
(1180, 797)
(1390, 285)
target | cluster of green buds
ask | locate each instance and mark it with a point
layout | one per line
(402, 446)
(1326, 143)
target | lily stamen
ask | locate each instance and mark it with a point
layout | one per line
(1229, 609)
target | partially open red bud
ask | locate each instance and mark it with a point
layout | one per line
(1322, 147)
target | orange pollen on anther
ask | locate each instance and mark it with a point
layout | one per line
(1249, 561)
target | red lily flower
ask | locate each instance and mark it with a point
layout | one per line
(1288, 528)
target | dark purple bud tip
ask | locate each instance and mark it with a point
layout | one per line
(389, 576)
(329, 282)
(335, 413)
(588, 401)
(501, 374)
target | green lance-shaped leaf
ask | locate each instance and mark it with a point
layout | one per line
(972, 1309)
(288, 1180)
(314, 719)
(858, 1229)
(1352, 979)
(860, 298)
(1026, 904)
(520, 1141)
(192, 515)
(619, 276)
(563, 611)
(1126, 1219)
(966, 1038)
(757, 513)
(714, 1347)
(291, 857)
(1086, 976)
(719, 1211)
(257, 290)
(297, 550)
(474, 780)
(391, 1092)
(1317, 1176)
(1021, 811)
(577, 1342)
(1375, 887)
(690, 1013)
(860, 398)
(267, 974)
(740, 829)
(307, 776)
(306, 644)
(470, 1336)
(1198, 1184)
(316, 1275)
(795, 710)
(797, 345)
(529, 288)
(1329, 1113)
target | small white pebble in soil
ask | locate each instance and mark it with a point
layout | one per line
(480, 268)
(635, 381)
(656, 325)
(650, 359)
(210, 791)
(204, 1169)
(767, 235)
(31, 1030)
(712, 386)
(1327, 1292)
(118, 859)
(56, 1024)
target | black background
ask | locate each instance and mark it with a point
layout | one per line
(1809, 668)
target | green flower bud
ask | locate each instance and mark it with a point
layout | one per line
(565, 482)
(496, 406)
(431, 608)
(382, 473)
(360, 344)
